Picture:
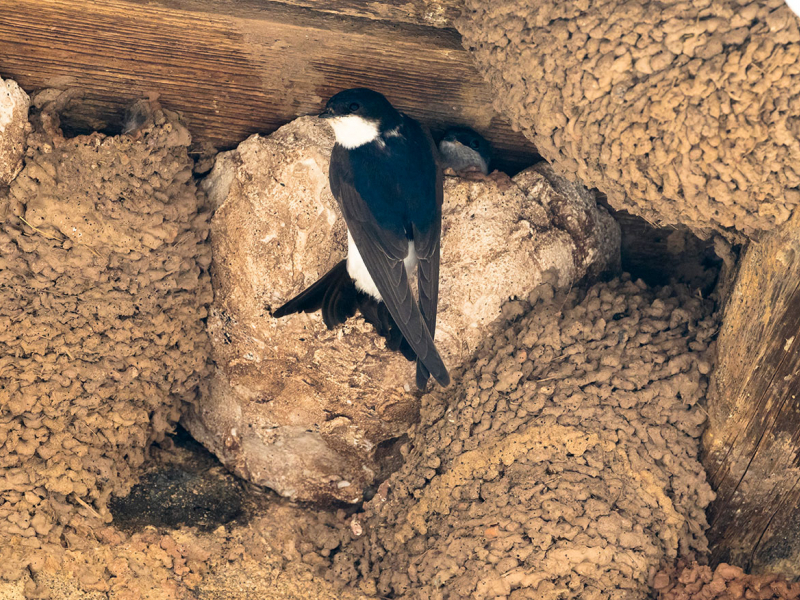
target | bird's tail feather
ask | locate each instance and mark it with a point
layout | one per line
(422, 375)
(335, 294)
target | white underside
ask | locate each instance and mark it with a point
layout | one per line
(352, 131)
(358, 270)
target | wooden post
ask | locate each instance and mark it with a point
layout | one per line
(237, 68)
(752, 444)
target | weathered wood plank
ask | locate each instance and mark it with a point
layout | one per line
(753, 440)
(436, 13)
(238, 68)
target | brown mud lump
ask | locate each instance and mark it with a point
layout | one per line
(310, 412)
(103, 291)
(564, 463)
(726, 582)
(681, 112)
(14, 103)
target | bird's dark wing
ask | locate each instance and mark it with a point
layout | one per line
(334, 294)
(427, 247)
(383, 252)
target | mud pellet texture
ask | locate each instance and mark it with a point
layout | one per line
(103, 288)
(563, 464)
(685, 112)
(726, 582)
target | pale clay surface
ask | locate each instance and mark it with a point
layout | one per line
(14, 103)
(303, 410)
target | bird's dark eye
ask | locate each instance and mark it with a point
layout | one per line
(354, 106)
(474, 144)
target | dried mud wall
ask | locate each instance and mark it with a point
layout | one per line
(725, 582)
(563, 465)
(103, 291)
(686, 113)
(271, 551)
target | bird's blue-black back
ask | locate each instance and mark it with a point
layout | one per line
(397, 179)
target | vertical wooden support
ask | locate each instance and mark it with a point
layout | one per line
(752, 445)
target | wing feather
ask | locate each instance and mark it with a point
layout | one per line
(427, 246)
(383, 248)
(383, 256)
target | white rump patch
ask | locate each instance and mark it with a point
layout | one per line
(410, 260)
(352, 131)
(358, 270)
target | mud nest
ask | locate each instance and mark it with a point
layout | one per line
(103, 288)
(315, 414)
(563, 465)
(685, 113)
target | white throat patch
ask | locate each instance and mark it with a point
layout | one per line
(352, 131)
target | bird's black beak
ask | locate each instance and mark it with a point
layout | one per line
(326, 114)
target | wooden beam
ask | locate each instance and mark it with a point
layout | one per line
(436, 13)
(753, 440)
(237, 68)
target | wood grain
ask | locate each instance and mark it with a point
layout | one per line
(237, 68)
(436, 13)
(752, 445)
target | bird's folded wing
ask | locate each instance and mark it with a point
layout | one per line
(427, 286)
(426, 246)
(383, 252)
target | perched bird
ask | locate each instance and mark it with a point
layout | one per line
(384, 175)
(463, 149)
(137, 116)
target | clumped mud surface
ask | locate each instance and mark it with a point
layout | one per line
(684, 114)
(726, 582)
(271, 550)
(563, 465)
(103, 291)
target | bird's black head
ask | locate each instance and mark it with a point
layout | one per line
(470, 138)
(359, 116)
(361, 102)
